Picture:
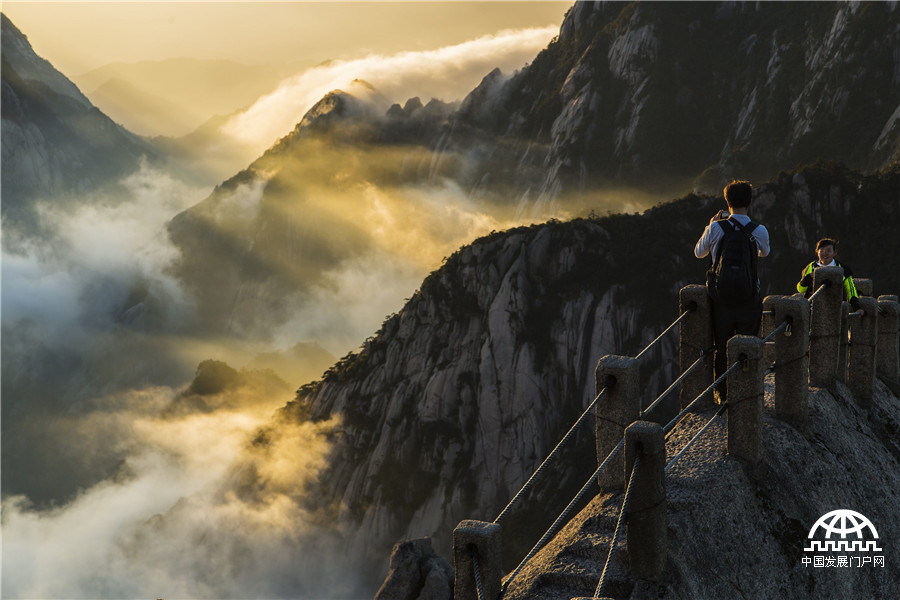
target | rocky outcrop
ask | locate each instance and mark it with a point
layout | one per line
(417, 573)
(631, 93)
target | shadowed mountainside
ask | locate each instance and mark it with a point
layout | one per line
(663, 93)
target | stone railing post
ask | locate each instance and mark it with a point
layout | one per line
(824, 326)
(745, 398)
(843, 344)
(695, 337)
(863, 340)
(888, 354)
(863, 286)
(646, 516)
(482, 540)
(767, 324)
(791, 359)
(620, 408)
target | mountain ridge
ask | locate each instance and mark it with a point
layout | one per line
(56, 144)
(620, 94)
(609, 117)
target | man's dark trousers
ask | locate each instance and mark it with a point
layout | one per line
(727, 322)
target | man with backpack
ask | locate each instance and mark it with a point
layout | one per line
(733, 242)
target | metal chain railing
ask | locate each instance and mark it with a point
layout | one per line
(786, 324)
(703, 356)
(534, 476)
(669, 328)
(612, 545)
(697, 435)
(537, 473)
(476, 570)
(671, 424)
(563, 516)
(825, 284)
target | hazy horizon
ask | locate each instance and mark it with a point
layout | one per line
(131, 58)
(77, 37)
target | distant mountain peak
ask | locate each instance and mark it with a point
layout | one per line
(19, 55)
(57, 146)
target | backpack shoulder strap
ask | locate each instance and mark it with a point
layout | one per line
(737, 225)
(747, 229)
(725, 229)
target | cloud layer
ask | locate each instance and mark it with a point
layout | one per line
(447, 74)
(172, 522)
(135, 487)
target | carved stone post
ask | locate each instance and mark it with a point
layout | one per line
(863, 286)
(695, 337)
(476, 538)
(766, 327)
(745, 398)
(824, 328)
(863, 340)
(791, 359)
(620, 408)
(888, 354)
(646, 516)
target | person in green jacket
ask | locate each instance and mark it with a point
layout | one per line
(826, 254)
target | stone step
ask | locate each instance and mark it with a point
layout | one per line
(567, 585)
(572, 574)
(590, 545)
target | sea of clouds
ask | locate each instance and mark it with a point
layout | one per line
(108, 493)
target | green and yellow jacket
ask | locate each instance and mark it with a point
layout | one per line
(850, 293)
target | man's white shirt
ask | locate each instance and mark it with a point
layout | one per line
(713, 234)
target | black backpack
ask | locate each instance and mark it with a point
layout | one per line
(731, 278)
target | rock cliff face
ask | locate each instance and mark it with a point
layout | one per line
(56, 144)
(659, 93)
(452, 405)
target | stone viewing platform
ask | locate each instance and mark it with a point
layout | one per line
(732, 535)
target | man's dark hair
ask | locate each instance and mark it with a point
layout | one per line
(826, 242)
(738, 193)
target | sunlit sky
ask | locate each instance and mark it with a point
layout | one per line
(77, 37)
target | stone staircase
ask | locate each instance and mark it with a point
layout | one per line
(570, 565)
